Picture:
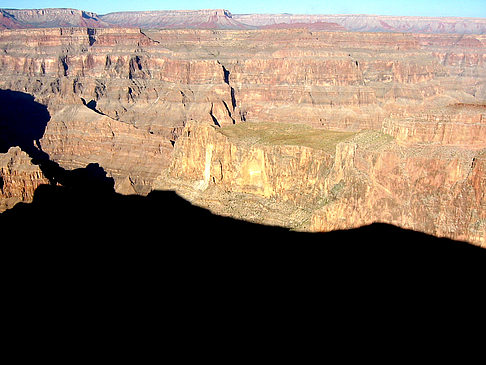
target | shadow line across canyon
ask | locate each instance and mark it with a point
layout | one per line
(81, 211)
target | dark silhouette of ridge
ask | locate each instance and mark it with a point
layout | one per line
(85, 222)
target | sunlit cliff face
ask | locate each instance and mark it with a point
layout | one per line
(355, 180)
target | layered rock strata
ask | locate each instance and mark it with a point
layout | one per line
(176, 19)
(315, 180)
(456, 125)
(158, 80)
(224, 19)
(373, 23)
(438, 190)
(50, 17)
(77, 136)
(311, 130)
(120, 80)
(19, 178)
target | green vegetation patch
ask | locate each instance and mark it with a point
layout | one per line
(372, 140)
(285, 134)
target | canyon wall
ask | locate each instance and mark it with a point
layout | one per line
(334, 80)
(307, 129)
(438, 190)
(111, 90)
(259, 172)
(19, 178)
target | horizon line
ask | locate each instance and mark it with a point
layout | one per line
(265, 13)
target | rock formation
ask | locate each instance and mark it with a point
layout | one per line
(46, 18)
(117, 88)
(224, 19)
(316, 180)
(176, 19)
(314, 130)
(371, 23)
(19, 178)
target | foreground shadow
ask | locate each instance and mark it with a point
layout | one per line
(86, 212)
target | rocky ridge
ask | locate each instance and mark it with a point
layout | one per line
(224, 19)
(177, 19)
(47, 18)
(373, 23)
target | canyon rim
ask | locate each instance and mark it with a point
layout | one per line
(314, 124)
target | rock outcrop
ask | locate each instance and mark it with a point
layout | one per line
(337, 80)
(19, 178)
(456, 125)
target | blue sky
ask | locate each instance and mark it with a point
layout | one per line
(469, 8)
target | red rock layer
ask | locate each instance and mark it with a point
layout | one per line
(19, 178)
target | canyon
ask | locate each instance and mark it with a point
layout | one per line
(311, 129)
